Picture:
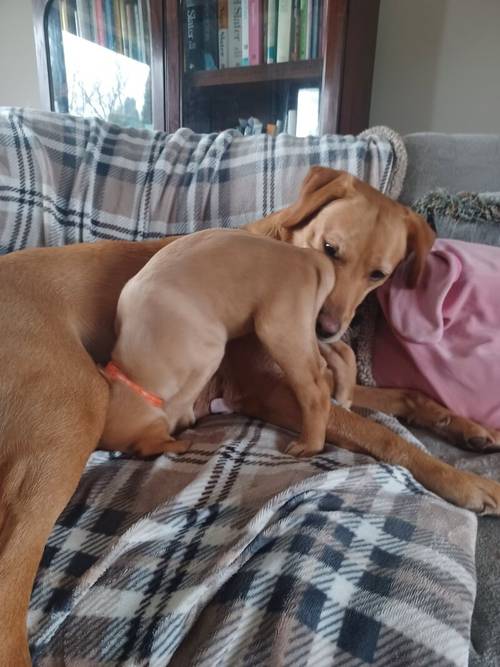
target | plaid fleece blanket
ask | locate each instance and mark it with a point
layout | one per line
(235, 553)
(68, 180)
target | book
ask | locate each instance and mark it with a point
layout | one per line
(71, 16)
(303, 44)
(120, 47)
(223, 34)
(255, 31)
(63, 12)
(245, 29)
(210, 44)
(124, 30)
(234, 32)
(314, 28)
(193, 35)
(83, 17)
(272, 23)
(109, 24)
(99, 22)
(284, 31)
(132, 29)
(321, 19)
(295, 35)
(141, 32)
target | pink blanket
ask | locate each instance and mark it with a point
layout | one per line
(444, 337)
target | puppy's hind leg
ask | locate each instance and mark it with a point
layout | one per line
(42, 454)
(297, 353)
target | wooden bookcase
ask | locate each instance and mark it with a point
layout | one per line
(214, 99)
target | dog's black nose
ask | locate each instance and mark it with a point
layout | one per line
(327, 326)
(322, 333)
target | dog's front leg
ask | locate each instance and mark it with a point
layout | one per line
(277, 405)
(420, 410)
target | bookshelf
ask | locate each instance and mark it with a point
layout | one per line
(205, 64)
(302, 70)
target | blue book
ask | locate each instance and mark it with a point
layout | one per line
(109, 24)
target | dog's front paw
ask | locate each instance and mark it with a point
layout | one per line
(481, 495)
(481, 438)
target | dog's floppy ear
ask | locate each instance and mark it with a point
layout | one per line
(420, 240)
(321, 186)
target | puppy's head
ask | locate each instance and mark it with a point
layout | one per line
(364, 233)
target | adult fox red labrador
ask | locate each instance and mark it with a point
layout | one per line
(57, 310)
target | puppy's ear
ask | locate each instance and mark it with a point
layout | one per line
(420, 240)
(320, 187)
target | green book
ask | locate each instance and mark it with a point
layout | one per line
(303, 50)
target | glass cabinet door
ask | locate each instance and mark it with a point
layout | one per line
(254, 65)
(99, 56)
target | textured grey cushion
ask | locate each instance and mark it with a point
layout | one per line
(466, 216)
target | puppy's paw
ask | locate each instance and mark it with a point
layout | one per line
(300, 449)
(176, 446)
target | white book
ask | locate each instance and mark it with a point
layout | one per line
(223, 34)
(284, 31)
(272, 19)
(234, 30)
(245, 31)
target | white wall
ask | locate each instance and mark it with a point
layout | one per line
(18, 72)
(437, 66)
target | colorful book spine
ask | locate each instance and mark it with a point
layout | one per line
(272, 23)
(109, 23)
(295, 36)
(71, 16)
(193, 35)
(321, 9)
(314, 28)
(99, 22)
(284, 31)
(63, 13)
(255, 31)
(303, 50)
(234, 32)
(120, 46)
(210, 35)
(124, 30)
(141, 32)
(245, 29)
(83, 19)
(223, 34)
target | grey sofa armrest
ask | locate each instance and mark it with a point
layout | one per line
(454, 162)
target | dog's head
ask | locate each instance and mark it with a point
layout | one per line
(365, 234)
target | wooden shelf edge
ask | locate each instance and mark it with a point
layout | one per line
(299, 69)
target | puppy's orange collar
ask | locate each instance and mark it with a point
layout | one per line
(114, 373)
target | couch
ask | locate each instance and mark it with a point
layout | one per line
(468, 163)
(236, 553)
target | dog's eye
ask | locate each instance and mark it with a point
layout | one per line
(331, 250)
(375, 276)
